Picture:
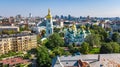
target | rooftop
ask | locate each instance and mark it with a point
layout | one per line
(9, 27)
(105, 60)
(16, 35)
(14, 61)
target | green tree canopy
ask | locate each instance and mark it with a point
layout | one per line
(115, 36)
(54, 40)
(57, 30)
(8, 32)
(93, 40)
(43, 58)
(61, 34)
(97, 29)
(108, 29)
(58, 51)
(115, 47)
(100, 31)
(43, 32)
(84, 48)
(106, 48)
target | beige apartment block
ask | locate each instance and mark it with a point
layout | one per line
(17, 42)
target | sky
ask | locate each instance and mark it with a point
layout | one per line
(95, 8)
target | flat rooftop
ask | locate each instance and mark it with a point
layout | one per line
(16, 35)
(9, 27)
(106, 60)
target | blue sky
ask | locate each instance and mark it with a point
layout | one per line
(99, 8)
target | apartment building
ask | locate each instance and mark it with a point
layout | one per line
(17, 42)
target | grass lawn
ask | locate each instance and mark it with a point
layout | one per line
(95, 51)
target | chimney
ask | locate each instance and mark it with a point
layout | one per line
(98, 57)
(79, 63)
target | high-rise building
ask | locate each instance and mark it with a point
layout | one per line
(18, 18)
(30, 15)
(11, 19)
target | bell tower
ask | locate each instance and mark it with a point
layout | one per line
(49, 24)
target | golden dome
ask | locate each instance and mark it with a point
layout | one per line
(49, 15)
(74, 27)
(82, 27)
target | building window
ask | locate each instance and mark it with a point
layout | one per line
(48, 31)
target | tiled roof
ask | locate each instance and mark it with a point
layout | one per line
(13, 61)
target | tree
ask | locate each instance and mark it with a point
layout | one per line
(5, 32)
(38, 39)
(27, 56)
(56, 30)
(7, 65)
(0, 32)
(115, 47)
(54, 40)
(106, 48)
(43, 33)
(21, 29)
(11, 32)
(93, 40)
(97, 29)
(108, 40)
(100, 31)
(108, 29)
(105, 35)
(26, 28)
(111, 47)
(20, 65)
(115, 37)
(84, 48)
(61, 34)
(58, 51)
(43, 58)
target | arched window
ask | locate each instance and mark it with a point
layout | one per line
(49, 31)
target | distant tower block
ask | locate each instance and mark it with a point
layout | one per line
(30, 15)
(88, 17)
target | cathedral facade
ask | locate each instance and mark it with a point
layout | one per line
(74, 35)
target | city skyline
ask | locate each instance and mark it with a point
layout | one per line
(95, 8)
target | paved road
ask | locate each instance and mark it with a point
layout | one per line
(34, 62)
